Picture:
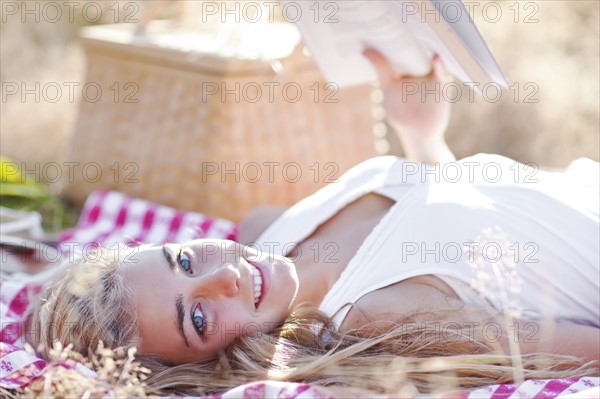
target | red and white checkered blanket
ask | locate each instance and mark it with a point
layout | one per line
(109, 218)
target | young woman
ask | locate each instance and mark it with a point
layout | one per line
(487, 262)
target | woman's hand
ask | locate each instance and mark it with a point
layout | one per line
(416, 108)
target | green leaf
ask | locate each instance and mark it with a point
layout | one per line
(23, 190)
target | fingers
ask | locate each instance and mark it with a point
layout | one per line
(440, 70)
(386, 72)
(381, 64)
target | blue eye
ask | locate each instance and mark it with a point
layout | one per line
(184, 261)
(198, 320)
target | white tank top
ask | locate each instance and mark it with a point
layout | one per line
(500, 233)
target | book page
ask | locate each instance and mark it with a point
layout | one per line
(407, 32)
(344, 28)
(462, 23)
(446, 28)
(429, 41)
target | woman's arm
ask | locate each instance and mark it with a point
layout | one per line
(416, 109)
(425, 304)
(561, 338)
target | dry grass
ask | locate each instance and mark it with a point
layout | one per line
(117, 375)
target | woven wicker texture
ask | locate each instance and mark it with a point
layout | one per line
(163, 137)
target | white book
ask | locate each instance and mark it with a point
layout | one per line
(408, 33)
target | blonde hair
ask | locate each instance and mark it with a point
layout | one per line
(388, 359)
(90, 302)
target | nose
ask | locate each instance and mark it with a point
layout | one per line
(224, 280)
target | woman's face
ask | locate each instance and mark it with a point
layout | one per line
(194, 299)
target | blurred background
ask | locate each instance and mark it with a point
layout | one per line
(548, 49)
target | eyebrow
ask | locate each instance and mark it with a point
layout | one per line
(178, 299)
(169, 258)
(180, 313)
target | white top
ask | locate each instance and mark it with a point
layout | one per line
(469, 223)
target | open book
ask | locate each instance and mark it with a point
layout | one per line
(408, 33)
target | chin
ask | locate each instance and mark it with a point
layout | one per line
(292, 272)
(288, 278)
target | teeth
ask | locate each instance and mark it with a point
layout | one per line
(257, 283)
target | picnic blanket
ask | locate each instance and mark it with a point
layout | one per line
(109, 218)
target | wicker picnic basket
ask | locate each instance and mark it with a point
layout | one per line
(208, 132)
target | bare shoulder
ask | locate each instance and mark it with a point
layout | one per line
(257, 221)
(398, 301)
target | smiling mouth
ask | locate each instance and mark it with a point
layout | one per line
(258, 285)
